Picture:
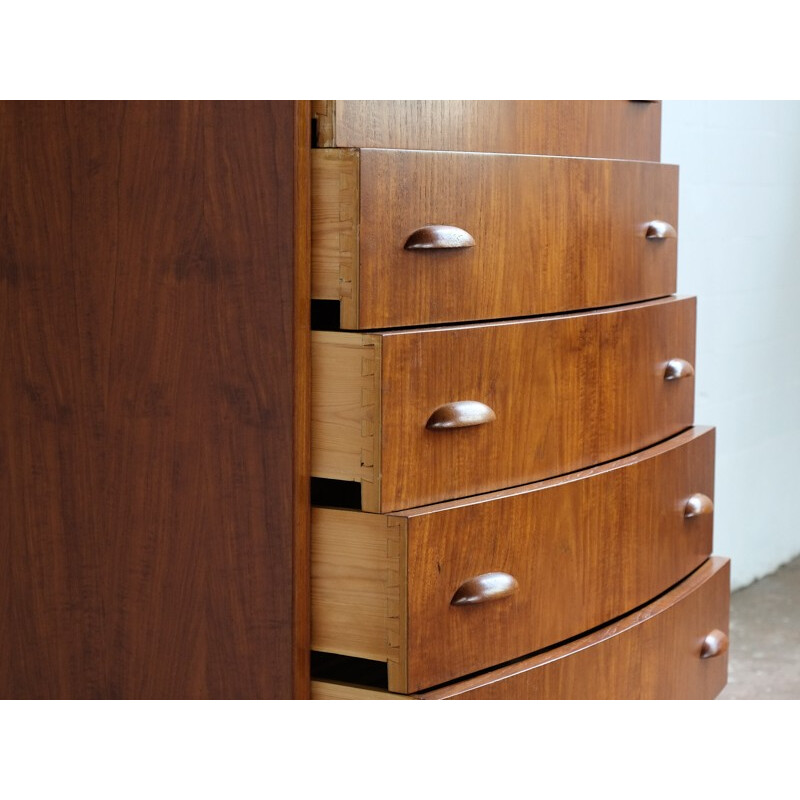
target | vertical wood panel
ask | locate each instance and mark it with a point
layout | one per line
(148, 296)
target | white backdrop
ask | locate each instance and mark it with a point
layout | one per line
(739, 252)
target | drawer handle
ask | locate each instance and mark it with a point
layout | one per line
(483, 588)
(439, 237)
(463, 414)
(678, 368)
(715, 644)
(697, 505)
(658, 229)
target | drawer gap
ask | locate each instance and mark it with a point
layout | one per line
(349, 669)
(333, 493)
(325, 315)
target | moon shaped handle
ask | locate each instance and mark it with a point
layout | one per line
(462, 414)
(698, 505)
(678, 368)
(439, 237)
(658, 229)
(485, 588)
(715, 644)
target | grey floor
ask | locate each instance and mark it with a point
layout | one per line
(764, 656)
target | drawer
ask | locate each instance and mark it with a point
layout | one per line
(674, 648)
(589, 128)
(545, 235)
(564, 556)
(419, 416)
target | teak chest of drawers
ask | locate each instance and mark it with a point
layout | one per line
(508, 380)
(475, 474)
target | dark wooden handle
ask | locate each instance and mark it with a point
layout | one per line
(678, 368)
(658, 229)
(439, 237)
(697, 505)
(462, 414)
(715, 644)
(484, 588)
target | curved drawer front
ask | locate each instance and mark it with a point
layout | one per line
(423, 416)
(489, 579)
(675, 648)
(589, 128)
(536, 235)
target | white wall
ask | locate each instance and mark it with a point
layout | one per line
(739, 252)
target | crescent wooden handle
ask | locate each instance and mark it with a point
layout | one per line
(697, 505)
(485, 588)
(462, 414)
(678, 368)
(439, 237)
(715, 644)
(658, 229)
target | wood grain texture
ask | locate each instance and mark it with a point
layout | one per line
(568, 392)
(589, 128)
(358, 588)
(551, 235)
(345, 410)
(151, 384)
(584, 548)
(334, 230)
(331, 690)
(651, 654)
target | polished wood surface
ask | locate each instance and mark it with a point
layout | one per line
(655, 653)
(567, 391)
(461, 414)
(153, 395)
(589, 128)
(652, 654)
(582, 549)
(550, 235)
(715, 644)
(486, 588)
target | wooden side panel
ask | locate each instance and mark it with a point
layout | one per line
(151, 477)
(584, 549)
(589, 128)
(358, 588)
(567, 391)
(551, 235)
(345, 411)
(653, 654)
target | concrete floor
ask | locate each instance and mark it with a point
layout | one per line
(764, 656)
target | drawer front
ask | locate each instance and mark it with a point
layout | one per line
(577, 551)
(589, 128)
(566, 393)
(674, 648)
(581, 550)
(550, 235)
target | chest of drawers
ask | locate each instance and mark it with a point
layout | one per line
(512, 499)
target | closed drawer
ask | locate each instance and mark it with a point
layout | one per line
(590, 128)
(443, 591)
(426, 415)
(673, 648)
(550, 235)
